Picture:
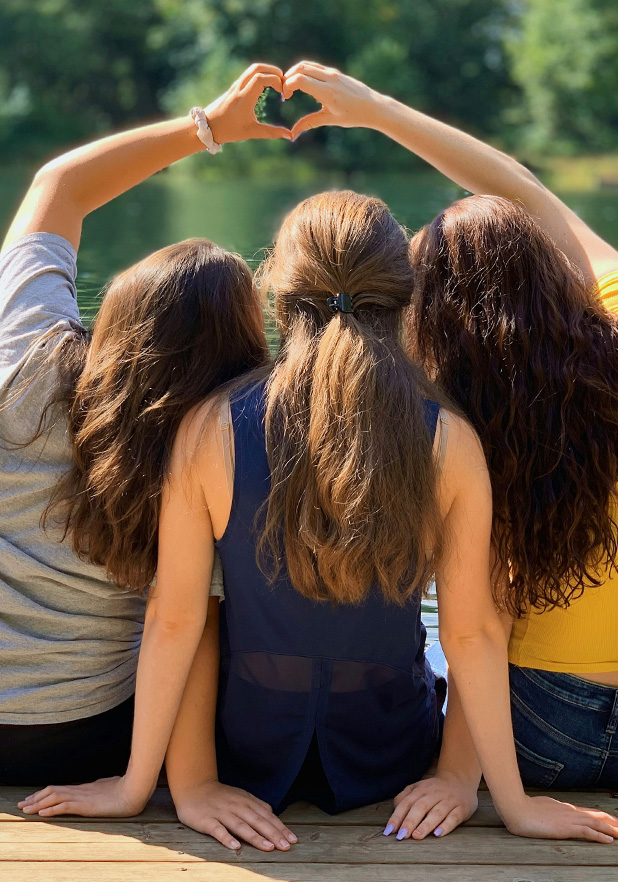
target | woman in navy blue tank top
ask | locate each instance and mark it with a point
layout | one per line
(338, 515)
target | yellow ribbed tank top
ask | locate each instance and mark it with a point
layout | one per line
(582, 639)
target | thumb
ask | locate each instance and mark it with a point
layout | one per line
(311, 121)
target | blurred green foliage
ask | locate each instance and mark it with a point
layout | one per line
(537, 75)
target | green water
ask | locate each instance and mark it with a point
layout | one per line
(243, 216)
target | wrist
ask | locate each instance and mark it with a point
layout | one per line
(468, 778)
(382, 112)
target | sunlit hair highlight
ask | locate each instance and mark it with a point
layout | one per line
(170, 330)
(510, 331)
(353, 488)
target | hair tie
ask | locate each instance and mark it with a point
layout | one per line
(340, 303)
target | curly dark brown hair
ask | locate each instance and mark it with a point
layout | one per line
(505, 324)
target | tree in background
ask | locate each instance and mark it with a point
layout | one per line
(563, 56)
(535, 74)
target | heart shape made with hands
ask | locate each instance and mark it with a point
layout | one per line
(272, 109)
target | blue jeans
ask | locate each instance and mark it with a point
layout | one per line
(565, 730)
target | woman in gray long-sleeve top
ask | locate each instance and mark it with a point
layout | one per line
(86, 423)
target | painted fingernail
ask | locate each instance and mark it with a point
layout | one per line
(402, 834)
(388, 830)
(234, 844)
(438, 831)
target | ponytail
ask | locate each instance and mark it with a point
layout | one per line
(353, 485)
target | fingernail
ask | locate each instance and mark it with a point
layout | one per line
(27, 809)
(388, 830)
(284, 843)
(438, 831)
(292, 837)
(267, 844)
(234, 844)
(402, 834)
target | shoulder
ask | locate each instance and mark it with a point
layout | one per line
(464, 468)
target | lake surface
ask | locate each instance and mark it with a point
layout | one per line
(243, 216)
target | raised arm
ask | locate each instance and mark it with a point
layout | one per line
(475, 644)
(472, 164)
(68, 188)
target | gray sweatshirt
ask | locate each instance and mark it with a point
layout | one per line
(69, 638)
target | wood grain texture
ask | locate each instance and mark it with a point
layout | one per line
(216, 872)
(122, 841)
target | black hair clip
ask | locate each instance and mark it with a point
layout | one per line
(340, 303)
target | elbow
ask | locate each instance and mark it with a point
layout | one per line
(483, 636)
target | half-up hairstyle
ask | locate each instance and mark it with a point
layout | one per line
(170, 330)
(353, 488)
(508, 328)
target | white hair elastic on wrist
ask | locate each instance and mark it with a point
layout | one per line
(204, 132)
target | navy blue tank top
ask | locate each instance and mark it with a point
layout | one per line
(297, 673)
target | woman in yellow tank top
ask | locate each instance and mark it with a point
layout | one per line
(512, 316)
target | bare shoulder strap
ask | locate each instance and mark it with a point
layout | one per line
(227, 439)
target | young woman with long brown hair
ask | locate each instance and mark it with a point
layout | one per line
(322, 483)
(514, 315)
(87, 422)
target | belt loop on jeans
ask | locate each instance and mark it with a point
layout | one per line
(613, 717)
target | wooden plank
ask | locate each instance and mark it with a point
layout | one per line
(317, 844)
(161, 809)
(485, 816)
(217, 872)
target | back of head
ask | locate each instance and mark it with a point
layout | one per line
(507, 327)
(353, 483)
(170, 330)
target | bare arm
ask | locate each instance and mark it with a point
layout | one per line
(68, 188)
(475, 644)
(467, 161)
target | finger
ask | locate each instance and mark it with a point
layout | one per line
(266, 812)
(264, 130)
(394, 822)
(240, 828)
(40, 794)
(417, 808)
(260, 81)
(592, 835)
(259, 68)
(311, 68)
(311, 85)
(270, 831)
(62, 808)
(215, 829)
(432, 820)
(311, 121)
(44, 802)
(450, 822)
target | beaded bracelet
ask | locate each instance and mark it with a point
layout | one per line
(204, 132)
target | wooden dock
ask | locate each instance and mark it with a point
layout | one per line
(155, 847)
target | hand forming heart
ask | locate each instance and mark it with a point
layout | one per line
(345, 102)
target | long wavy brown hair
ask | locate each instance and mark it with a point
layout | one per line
(509, 330)
(353, 489)
(170, 330)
